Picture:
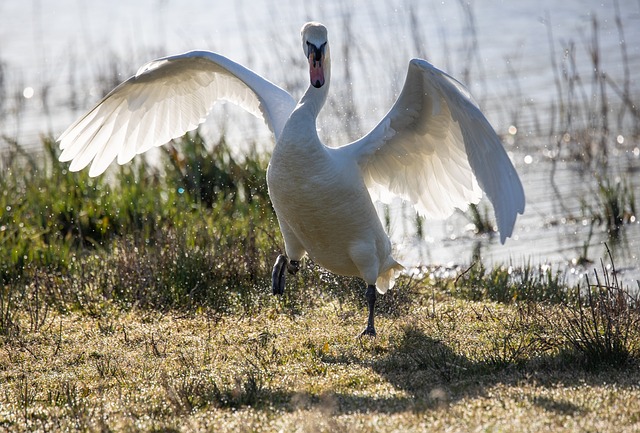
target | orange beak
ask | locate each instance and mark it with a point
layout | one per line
(316, 70)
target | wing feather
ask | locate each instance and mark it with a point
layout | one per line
(165, 99)
(437, 150)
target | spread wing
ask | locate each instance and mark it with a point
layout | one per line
(166, 98)
(436, 149)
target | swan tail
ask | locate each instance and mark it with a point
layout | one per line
(387, 277)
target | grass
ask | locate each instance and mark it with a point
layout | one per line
(482, 222)
(140, 304)
(507, 284)
(598, 326)
(461, 366)
(616, 205)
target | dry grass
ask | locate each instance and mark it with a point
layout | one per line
(443, 364)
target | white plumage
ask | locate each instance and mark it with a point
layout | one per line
(434, 148)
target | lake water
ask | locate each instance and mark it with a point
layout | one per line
(59, 57)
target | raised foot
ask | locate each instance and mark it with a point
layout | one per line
(277, 275)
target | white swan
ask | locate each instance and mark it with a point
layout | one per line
(433, 148)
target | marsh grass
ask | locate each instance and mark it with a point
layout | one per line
(479, 217)
(603, 324)
(208, 172)
(142, 239)
(591, 115)
(611, 208)
(509, 284)
(586, 100)
(616, 205)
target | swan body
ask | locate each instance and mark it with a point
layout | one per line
(434, 148)
(327, 213)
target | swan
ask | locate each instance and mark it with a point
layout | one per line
(434, 148)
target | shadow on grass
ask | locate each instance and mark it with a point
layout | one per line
(434, 375)
(559, 406)
(429, 375)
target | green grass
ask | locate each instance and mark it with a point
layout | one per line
(52, 221)
(615, 205)
(508, 284)
(140, 301)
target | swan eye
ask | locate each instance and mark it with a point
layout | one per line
(318, 52)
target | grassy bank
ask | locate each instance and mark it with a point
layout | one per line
(440, 365)
(140, 301)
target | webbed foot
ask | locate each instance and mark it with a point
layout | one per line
(369, 331)
(293, 266)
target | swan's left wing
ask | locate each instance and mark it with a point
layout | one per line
(437, 150)
(166, 98)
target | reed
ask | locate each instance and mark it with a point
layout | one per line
(603, 322)
(586, 99)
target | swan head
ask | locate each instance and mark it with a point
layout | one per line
(316, 49)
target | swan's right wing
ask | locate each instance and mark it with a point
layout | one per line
(165, 99)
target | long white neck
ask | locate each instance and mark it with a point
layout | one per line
(314, 98)
(300, 133)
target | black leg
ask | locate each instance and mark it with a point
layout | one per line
(370, 330)
(277, 276)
